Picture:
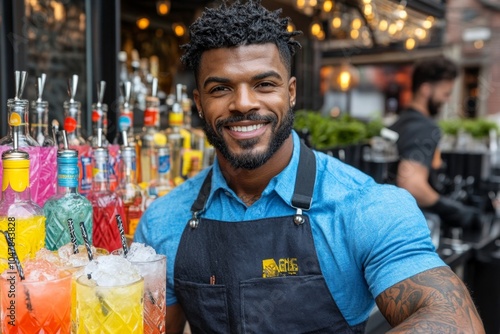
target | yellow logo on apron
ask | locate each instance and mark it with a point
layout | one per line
(284, 267)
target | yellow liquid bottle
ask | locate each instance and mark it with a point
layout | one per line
(22, 218)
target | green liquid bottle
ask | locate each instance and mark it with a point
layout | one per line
(67, 203)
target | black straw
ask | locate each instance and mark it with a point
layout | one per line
(10, 244)
(86, 241)
(72, 235)
(119, 222)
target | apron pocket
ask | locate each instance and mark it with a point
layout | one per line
(206, 305)
(291, 304)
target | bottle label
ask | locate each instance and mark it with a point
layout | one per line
(125, 122)
(67, 175)
(176, 119)
(15, 119)
(86, 173)
(70, 124)
(96, 115)
(164, 164)
(151, 117)
(100, 173)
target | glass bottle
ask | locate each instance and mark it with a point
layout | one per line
(72, 126)
(131, 194)
(126, 116)
(105, 203)
(151, 136)
(175, 138)
(21, 217)
(67, 203)
(99, 117)
(40, 116)
(18, 116)
(161, 184)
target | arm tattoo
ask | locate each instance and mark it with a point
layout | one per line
(434, 301)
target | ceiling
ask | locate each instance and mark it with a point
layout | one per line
(186, 11)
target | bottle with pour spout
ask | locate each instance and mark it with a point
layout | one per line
(40, 116)
(67, 203)
(105, 203)
(18, 116)
(132, 195)
(151, 136)
(72, 126)
(21, 217)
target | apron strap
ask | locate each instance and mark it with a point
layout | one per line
(305, 178)
(304, 183)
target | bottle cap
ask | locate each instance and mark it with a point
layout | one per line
(15, 153)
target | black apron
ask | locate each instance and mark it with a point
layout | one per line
(258, 276)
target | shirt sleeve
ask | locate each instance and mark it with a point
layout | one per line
(394, 238)
(418, 143)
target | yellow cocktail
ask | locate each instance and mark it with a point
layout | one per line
(105, 303)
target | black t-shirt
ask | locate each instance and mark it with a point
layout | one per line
(419, 136)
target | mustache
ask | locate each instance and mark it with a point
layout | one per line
(238, 118)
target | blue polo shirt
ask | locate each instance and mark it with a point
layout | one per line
(368, 236)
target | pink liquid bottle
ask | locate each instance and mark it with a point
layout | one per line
(47, 176)
(105, 203)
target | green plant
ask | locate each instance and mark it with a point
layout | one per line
(477, 127)
(326, 132)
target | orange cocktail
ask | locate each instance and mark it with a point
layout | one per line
(41, 303)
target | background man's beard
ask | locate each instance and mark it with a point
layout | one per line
(433, 107)
(250, 160)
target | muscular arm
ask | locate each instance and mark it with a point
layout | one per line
(434, 301)
(175, 319)
(414, 177)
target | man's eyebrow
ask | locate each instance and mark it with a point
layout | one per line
(215, 79)
(259, 76)
(267, 74)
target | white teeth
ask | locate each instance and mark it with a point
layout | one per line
(246, 128)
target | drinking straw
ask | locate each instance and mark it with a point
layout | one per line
(86, 241)
(119, 222)
(19, 268)
(72, 235)
(10, 244)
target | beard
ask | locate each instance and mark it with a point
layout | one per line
(433, 106)
(249, 160)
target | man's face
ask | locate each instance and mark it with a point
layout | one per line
(245, 94)
(440, 94)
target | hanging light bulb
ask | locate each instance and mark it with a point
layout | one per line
(336, 21)
(354, 34)
(383, 25)
(290, 27)
(315, 28)
(142, 23)
(163, 7)
(420, 33)
(393, 29)
(427, 24)
(356, 23)
(410, 43)
(327, 6)
(368, 9)
(179, 29)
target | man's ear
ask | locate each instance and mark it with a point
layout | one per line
(426, 89)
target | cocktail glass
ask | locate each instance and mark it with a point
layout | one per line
(154, 273)
(109, 309)
(39, 304)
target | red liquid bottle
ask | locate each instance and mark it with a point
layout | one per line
(105, 203)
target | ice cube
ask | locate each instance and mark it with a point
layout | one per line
(140, 252)
(50, 256)
(40, 270)
(112, 270)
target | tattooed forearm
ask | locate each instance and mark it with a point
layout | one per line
(435, 301)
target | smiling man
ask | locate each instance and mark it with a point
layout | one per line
(275, 237)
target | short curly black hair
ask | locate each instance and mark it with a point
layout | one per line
(235, 25)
